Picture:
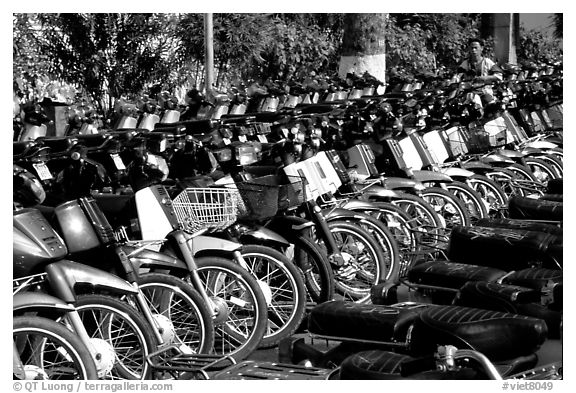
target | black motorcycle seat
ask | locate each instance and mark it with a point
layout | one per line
(384, 324)
(535, 209)
(57, 144)
(498, 335)
(512, 299)
(553, 197)
(519, 224)
(379, 364)
(535, 278)
(93, 140)
(451, 274)
(20, 148)
(502, 248)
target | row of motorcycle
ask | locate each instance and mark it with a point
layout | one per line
(419, 231)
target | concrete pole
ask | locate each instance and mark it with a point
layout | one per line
(209, 53)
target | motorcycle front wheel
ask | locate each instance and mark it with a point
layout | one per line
(48, 350)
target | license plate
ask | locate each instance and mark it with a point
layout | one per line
(118, 162)
(242, 138)
(43, 171)
(262, 138)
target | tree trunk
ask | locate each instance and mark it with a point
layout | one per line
(364, 45)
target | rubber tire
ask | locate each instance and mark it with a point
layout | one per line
(405, 201)
(483, 181)
(556, 164)
(386, 242)
(296, 279)
(69, 340)
(229, 267)
(459, 188)
(199, 307)
(138, 322)
(522, 172)
(317, 270)
(380, 264)
(543, 166)
(501, 172)
(407, 237)
(446, 195)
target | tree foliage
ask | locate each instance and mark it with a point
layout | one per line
(106, 55)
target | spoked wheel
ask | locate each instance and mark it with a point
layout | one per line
(385, 241)
(364, 264)
(447, 205)
(540, 169)
(241, 311)
(46, 349)
(404, 230)
(507, 182)
(491, 193)
(120, 334)
(284, 290)
(315, 266)
(180, 313)
(555, 163)
(471, 200)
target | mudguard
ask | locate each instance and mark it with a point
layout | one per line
(201, 244)
(497, 159)
(339, 213)
(510, 153)
(430, 176)
(379, 192)
(458, 173)
(400, 183)
(532, 151)
(38, 300)
(262, 235)
(152, 259)
(545, 145)
(286, 225)
(477, 165)
(355, 204)
(65, 276)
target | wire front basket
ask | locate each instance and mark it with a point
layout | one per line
(197, 209)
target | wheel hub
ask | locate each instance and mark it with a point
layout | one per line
(221, 310)
(105, 356)
(166, 328)
(32, 371)
(266, 291)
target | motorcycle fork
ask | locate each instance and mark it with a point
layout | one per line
(182, 242)
(323, 231)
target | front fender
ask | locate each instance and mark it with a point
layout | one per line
(203, 244)
(145, 258)
(66, 277)
(497, 159)
(431, 177)
(458, 173)
(25, 301)
(544, 145)
(510, 153)
(339, 213)
(262, 235)
(289, 225)
(379, 192)
(532, 151)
